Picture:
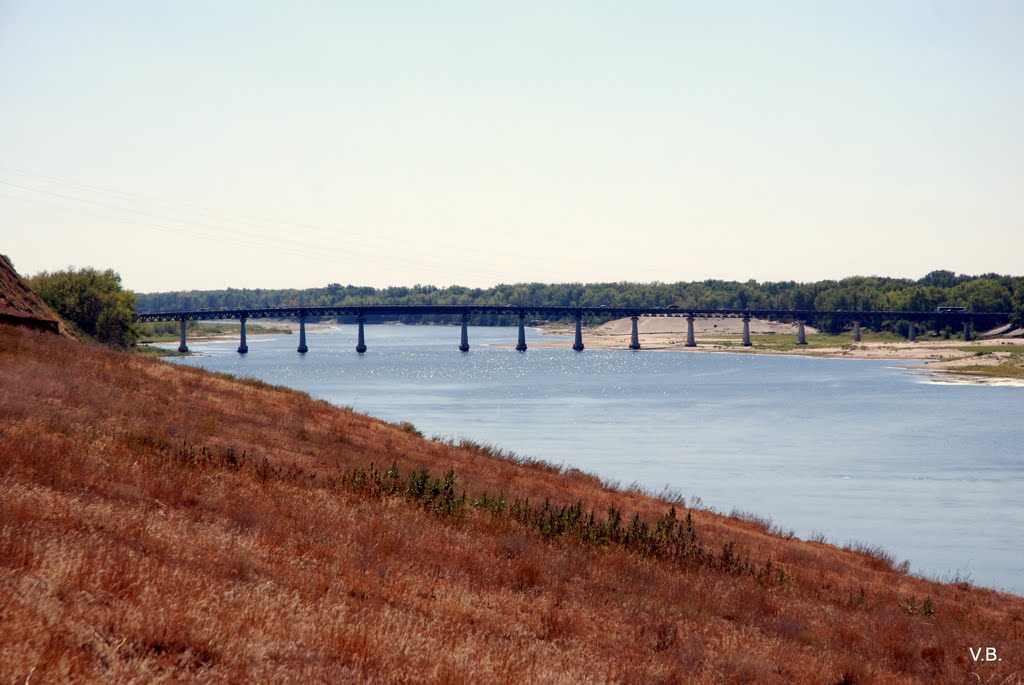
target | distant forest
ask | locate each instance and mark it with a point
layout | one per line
(989, 292)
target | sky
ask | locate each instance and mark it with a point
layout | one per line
(199, 145)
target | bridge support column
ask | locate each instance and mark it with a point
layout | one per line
(746, 331)
(912, 333)
(521, 345)
(967, 331)
(242, 347)
(801, 337)
(182, 347)
(302, 335)
(856, 331)
(578, 343)
(634, 338)
(690, 342)
(361, 343)
(464, 344)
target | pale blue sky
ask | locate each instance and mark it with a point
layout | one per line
(248, 144)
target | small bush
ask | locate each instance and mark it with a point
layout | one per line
(408, 427)
(878, 557)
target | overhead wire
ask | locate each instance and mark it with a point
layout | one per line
(261, 239)
(267, 231)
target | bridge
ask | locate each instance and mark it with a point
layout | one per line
(463, 312)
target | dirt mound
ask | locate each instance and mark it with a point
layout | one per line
(19, 305)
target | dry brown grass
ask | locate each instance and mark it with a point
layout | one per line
(160, 523)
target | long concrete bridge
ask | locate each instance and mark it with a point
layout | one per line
(944, 317)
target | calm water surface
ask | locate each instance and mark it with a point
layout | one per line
(855, 450)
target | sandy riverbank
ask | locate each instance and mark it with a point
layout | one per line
(770, 337)
(270, 328)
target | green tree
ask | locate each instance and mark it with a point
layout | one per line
(1018, 303)
(93, 301)
(983, 294)
(940, 278)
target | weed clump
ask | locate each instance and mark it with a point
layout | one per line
(878, 557)
(669, 538)
(408, 427)
(914, 606)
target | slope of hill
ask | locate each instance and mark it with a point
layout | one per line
(20, 306)
(160, 523)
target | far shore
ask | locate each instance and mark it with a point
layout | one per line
(995, 360)
(269, 328)
(231, 331)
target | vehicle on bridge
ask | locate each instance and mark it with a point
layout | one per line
(951, 310)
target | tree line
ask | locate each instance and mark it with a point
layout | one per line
(95, 304)
(989, 292)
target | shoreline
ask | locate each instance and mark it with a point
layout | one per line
(953, 361)
(282, 328)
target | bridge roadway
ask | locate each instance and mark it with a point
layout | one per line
(801, 316)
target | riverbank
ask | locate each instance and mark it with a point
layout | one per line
(989, 360)
(262, 535)
(206, 330)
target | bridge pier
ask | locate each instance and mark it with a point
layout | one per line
(967, 331)
(302, 335)
(182, 347)
(856, 331)
(634, 338)
(746, 331)
(912, 333)
(242, 347)
(361, 343)
(578, 342)
(521, 345)
(464, 344)
(690, 342)
(801, 337)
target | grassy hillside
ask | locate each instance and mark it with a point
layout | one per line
(160, 523)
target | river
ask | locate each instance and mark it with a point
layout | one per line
(853, 450)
